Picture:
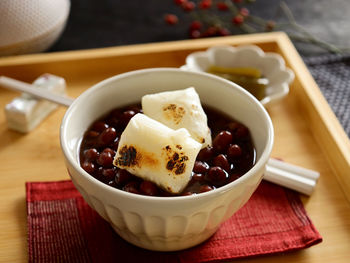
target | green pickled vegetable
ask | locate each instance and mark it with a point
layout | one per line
(249, 78)
(241, 71)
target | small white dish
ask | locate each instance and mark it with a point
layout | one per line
(272, 66)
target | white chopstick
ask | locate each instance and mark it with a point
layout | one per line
(17, 85)
(291, 176)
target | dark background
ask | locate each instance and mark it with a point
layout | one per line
(104, 23)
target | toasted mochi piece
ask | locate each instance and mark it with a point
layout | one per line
(179, 109)
(157, 153)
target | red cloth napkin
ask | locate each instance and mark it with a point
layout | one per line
(63, 228)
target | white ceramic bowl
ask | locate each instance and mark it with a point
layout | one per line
(165, 223)
(271, 65)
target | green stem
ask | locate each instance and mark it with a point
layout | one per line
(247, 28)
(308, 36)
(321, 44)
(287, 12)
(257, 20)
(232, 7)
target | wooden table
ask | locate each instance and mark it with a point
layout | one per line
(307, 134)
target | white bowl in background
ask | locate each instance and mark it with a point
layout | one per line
(165, 223)
(29, 26)
(272, 66)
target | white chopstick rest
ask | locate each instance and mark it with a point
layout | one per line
(26, 112)
(291, 176)
(307, 173)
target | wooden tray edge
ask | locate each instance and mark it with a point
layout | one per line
(139, 49)
(325, 126)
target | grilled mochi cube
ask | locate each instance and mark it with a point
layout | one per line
(179, 109)
(157, 153)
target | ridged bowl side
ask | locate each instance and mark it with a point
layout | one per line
(163, 231)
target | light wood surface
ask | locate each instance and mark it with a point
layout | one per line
(307, 134)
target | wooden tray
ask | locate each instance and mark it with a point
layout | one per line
(307, 134)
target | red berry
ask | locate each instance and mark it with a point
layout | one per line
(238, 20)
(244, 11)
(204, 4)
(195, 34)
(237, 1)
(222, 6)
(211, 31)
(171, 19)
(224, 32)
(188, 6)
(179, 2)
(195, 25)
(270, 25)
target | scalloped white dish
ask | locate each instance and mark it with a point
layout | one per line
(272, 66)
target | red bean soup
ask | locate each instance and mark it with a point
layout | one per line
(231, 155)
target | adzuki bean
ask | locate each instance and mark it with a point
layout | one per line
(231, 155)
(222, 162)
(222, 141)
